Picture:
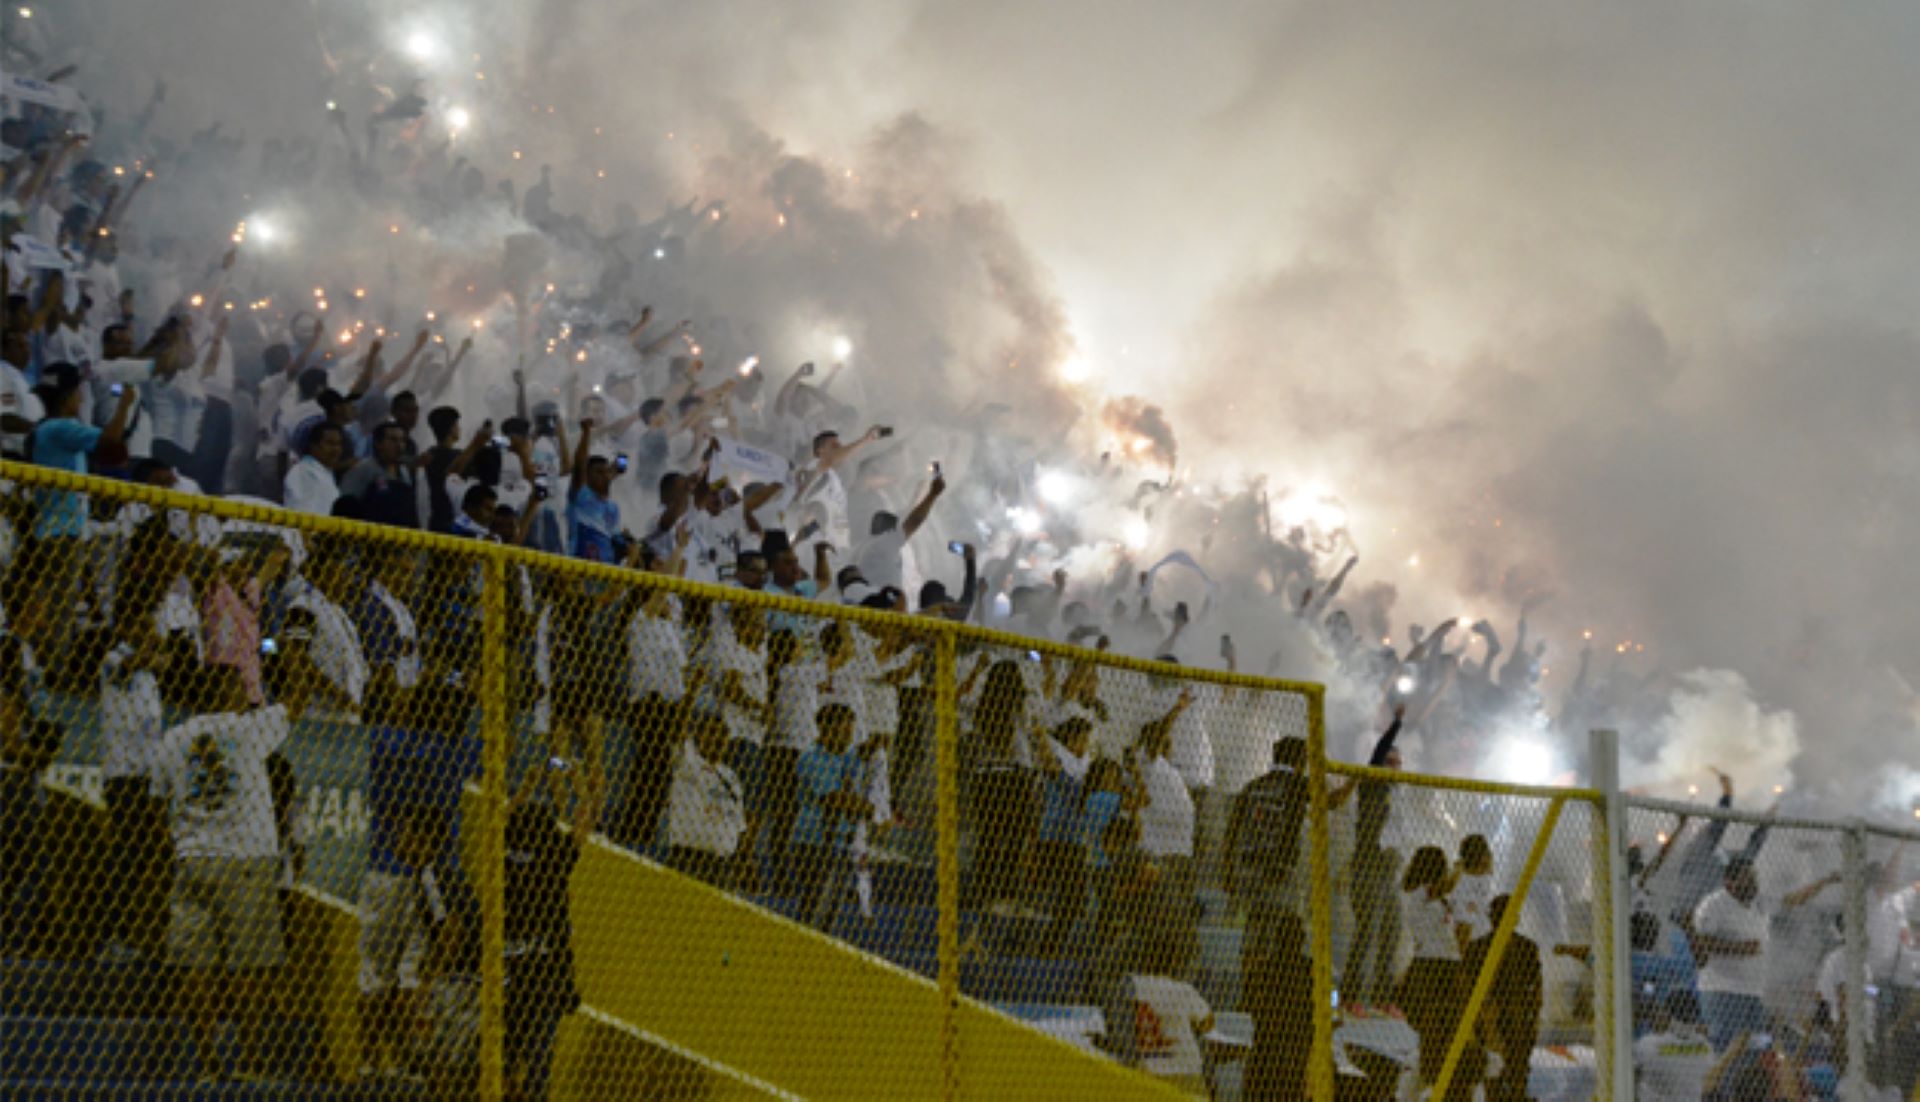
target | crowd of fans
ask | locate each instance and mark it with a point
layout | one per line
(773, 753)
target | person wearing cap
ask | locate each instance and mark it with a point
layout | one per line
(1732, 929)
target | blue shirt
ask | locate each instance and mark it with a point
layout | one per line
(408, 768)
(788, 621)
(820, 775)
(1060, 809)
(63, 443)
(1656, 976)
(1100, 809)
(592, 522)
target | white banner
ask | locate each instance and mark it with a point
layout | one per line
(745, 463)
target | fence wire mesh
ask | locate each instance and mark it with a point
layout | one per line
(1432, 999)
(1772, 958)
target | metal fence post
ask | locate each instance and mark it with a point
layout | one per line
(1320, 1060)
(1854, 866)
(1613, 1017)
(947, 856)
(493, 828)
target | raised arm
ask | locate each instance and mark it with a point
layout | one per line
(580, 454)
(212, 359)
(369, 364)
(921, 511)
(1802, 896)
(791, 387)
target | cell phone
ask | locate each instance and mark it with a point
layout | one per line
(1180, 611)
(268, 646)
(499, 441)
(936, 469)
(1763, 1041)
(1033, 656)
(119, 389)
(807, 532)
(884, 431)
(620, 463)
(540, 488)
(1226, 644)
(956, 547)
(559, 764)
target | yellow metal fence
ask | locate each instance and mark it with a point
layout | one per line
(387, 807)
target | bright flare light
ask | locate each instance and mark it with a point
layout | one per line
(842, 347)
(1137, 533)
(1056, 487)
(261, 230)
(458, 118)
(747, 365)
(1405, 684)
(1025, 521)
(422, 46)
(1076, 369)
(1524, 760)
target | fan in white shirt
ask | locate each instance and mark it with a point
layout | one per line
(310, 485)
(736, 675)
(880, 560)
(1472, 892)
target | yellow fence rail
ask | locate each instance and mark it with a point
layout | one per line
(775, 845)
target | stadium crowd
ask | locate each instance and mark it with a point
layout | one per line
(783, 756)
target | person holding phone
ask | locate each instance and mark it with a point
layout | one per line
(882, 559)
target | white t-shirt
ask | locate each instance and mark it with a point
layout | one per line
(131, 718)
(214, 771)
(1721, 916)
(1166, 1016)
(1429, 926)
(310, 488)
(705, 809)
(1833, 977)
(1672, 1066)
(880, 560)
(1166, 822)
(727, 653)
(656, 655)
(1471, 896)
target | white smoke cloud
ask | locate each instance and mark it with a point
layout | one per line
(1713, 722)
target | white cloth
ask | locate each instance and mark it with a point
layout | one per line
(1166, 822)
(406, 667)
(214, 771)
(1168, 1014)
(310, 488)
(879, 560)
(335, 649)
(1831, 982)
(1429, 926)
(796, 704)
(656, 655)
(705, 809)
(131, 717)
(1722, 916)
(17, 398)
(1672, 1066)
(1471, 897)
(1897, 920)
(727, 653)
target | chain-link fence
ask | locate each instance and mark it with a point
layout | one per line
(305, 802)
(1772, 957)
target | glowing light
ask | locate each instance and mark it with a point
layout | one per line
(914, 214)
(1661, 837)
(780, 218)
(659, 254)
(393, 227)
(322, 304)
(1693, 790)
(1137, 533)
(516, 154)
(332, 106)
(1413, 560)
(581, 357)
(747, 365)
(458, 118)
(422, 46)
(431, 316)
(1779, 788)
(1524, 760)
(842, 347)
(26, 13)
(119, 170)
(319, 292)
(359, 292)
(479, 323)
(197, 300)
(1588, 634)
(549, 288)
(346, 336)
(1056, 487)
(601, 173)
(1024, 521)
(1076, 369)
